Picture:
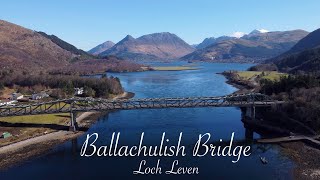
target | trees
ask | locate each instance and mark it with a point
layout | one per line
(287, 83)
(303, 94)
(89, 92)
(58, 94)
(98, 87)
(24, 90)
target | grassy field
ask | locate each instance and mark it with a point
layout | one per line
(270, 75)
(22, 133)
(173, 68)
(59, 119)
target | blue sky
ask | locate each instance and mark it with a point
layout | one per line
(87, 23)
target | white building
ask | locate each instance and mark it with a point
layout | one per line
(78, 91)
(7, 102)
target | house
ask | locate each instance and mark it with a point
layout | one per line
(37, 96)
(78, 91)
(16, 96)
(6, 135)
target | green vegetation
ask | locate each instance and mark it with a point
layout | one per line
(305, 61)
(303, 94)
(291, 82)
(173, 68)
(269, 75)
(59, 119)
(246, 75)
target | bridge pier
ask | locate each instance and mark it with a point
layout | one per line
(74, 145)
(73, 121)
(249, 134)
(243, 112)
(253, 112)
(249, 112)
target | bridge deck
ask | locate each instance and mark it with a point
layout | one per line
(91, 104)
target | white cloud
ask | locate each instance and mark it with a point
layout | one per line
(238, 34)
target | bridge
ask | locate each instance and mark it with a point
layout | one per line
(75, 104)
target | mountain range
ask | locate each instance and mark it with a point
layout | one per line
(157, 46)
(253, 47)
(290, 51)
(212, 40)
(302, 57)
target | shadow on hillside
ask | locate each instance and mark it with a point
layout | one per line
(64, 116)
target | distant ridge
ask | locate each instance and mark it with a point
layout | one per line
(254, 47)
(210, 41)
(162, 46)
(101, 48)
(302, 57)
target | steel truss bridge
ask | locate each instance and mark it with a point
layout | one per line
(76, 104)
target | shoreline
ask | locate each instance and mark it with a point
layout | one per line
(302, 154)
(21, 151)
(241, 86)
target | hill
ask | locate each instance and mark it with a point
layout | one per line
(305, 61)
(303, 57)
(101, 48)
(30, 52)
(26, 50)
(80, 54)
(211, 40)
(311, 41)
(160, 46)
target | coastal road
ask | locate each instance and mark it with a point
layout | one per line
(59, 135)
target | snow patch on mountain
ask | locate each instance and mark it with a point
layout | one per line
(258, 31)
(238, 34)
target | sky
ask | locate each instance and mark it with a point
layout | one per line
(87, 23)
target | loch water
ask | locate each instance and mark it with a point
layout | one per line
(65, 162)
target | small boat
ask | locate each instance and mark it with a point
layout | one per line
(263, 160)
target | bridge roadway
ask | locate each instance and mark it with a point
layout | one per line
(91, 104)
